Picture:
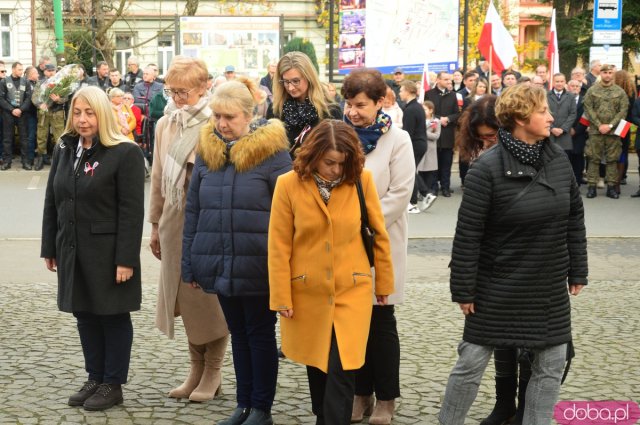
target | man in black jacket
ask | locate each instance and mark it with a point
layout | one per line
(13, 103)
(447, 111)
(101, 79)
(414, 123)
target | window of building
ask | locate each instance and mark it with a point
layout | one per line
(124, 41)
(5, 35)
(165, 52)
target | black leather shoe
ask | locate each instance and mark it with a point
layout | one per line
(106, 396)
(591, 192)
(611, 192)
(26, 166)
(258, 417)
(636, 195)
(446, 193)
(5, 166)
(38, 163)
(85, 392)
(237, 417)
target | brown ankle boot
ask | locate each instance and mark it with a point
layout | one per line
(196, 353)
(362, 406)
(211, 381)
(383, 412)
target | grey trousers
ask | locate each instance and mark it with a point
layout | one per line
(542, 391)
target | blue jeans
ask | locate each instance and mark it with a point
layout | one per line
(542, 391)
(106, 343)
(255, 353)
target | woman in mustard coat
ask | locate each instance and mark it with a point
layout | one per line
(319, 274)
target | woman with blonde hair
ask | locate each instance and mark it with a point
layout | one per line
(91, 235)
(224, 249)
(177, 135)
(122, 112)
(299, 100)
(519, 252)
(323, 296)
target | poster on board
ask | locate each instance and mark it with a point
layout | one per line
(398, 33)
(247, 43)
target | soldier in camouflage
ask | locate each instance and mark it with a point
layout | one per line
(605, 104)
(50, 119)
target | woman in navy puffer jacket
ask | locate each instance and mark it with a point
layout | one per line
(224, 247)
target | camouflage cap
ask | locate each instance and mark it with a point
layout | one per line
(607, 67)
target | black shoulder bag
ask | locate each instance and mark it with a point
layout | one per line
(368, 234)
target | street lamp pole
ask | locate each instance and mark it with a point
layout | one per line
(465, 48)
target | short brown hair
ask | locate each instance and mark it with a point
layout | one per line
(410, 87)
(518, 103)
(330, 135)
(367, 81)
(187, 71)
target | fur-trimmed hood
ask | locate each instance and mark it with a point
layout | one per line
(248, 152)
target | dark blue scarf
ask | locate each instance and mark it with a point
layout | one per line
(369, 135)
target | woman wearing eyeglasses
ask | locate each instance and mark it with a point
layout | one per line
(299, 99)
(177, 134)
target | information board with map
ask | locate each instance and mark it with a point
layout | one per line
(400, 33)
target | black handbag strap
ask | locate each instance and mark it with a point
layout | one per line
(364, 217)
(516, 198)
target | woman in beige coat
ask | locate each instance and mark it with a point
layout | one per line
(177, 134)
(389, 156)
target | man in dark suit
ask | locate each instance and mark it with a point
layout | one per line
(469, 80)
(579, 133)
(562, 106)
(447, 111)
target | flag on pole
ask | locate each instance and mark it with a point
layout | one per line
(496, 43)
(553, 56)
(424, 87)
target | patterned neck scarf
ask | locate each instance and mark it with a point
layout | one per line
(369, 135)
(528, 154)
(325, 187)
(296, 115)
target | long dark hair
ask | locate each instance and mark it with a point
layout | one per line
(480, 112)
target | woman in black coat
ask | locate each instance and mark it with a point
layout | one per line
(224, 249)
(519, 251)
(91, 235)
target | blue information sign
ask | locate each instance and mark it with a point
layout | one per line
(607, 15)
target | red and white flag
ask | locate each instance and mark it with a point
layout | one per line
(623, 128)
(553, 56)
(496, 43)
(424, 87)
(584, 120)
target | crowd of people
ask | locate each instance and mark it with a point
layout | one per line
(258, 188)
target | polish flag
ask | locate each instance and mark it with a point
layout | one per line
(553, 56)
(496, 43)
(425, 83)
(623, 128)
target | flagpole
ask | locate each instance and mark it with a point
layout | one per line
(551, 67)
(490, 65)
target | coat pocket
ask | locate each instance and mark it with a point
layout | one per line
(361, 278)
(299, 279)
(103, 227)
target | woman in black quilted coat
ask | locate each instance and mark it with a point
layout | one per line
(520, 249)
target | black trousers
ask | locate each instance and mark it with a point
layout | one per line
(445, 159)
(507, 361)
(106, 343)
(381, 370)
(332, 392)
(9, 124)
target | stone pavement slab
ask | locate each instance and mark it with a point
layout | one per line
(41, 362)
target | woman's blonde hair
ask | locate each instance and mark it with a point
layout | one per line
(315, 93)
(186, 71)
(519, 102)
(114, 92)
(241, 93)
(108, 129)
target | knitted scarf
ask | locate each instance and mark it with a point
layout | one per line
(369, 135)
(325, 187)
(526, 153)
(188, 120)
(296, 115)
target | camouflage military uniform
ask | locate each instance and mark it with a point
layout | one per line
(604, 105)
(50, 120)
